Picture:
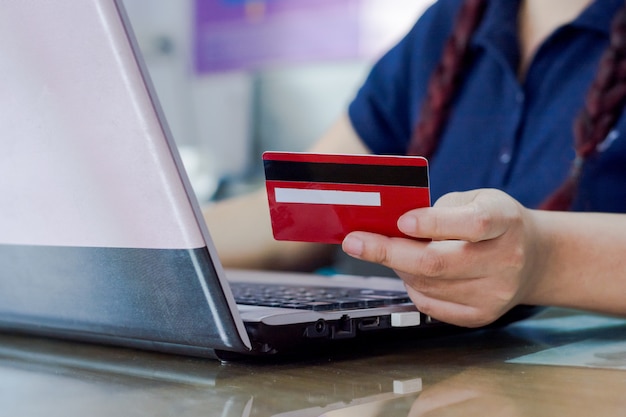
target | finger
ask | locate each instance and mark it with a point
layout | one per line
(487, 299)
(462, 291)
(455, 199)
(450, 312)
(449, 259)
(396, 253)
(470, 216)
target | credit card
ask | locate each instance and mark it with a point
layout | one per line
(323, 197)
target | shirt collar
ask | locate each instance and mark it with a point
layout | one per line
(498, 29)
(500, 17)
(598, 15)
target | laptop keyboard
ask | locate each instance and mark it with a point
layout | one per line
(315, 298)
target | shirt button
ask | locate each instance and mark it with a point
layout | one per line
(505, 157)
(520, 97)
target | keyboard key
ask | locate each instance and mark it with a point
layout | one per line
(314, 298)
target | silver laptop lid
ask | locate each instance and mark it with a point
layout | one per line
(100, 233)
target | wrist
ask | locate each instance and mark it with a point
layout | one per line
(540, 285)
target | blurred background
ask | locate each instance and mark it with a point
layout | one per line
(237, 77)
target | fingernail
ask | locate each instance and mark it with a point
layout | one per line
(352, 246)
(407, 223)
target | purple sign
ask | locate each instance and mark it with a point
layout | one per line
(250, 34)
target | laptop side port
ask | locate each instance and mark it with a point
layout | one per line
(318, 329)
(344, 328)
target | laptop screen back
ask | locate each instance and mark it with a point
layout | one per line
(99, 233)
(83, 162)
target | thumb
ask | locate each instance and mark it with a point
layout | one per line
(472, 216)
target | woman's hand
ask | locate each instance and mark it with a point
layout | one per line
(475, 259)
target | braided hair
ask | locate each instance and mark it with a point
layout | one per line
(604, 101)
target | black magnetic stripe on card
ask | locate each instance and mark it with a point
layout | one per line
(394, 175)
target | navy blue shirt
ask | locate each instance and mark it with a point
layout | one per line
(502, 133)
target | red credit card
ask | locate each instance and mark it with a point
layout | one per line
(323, 197)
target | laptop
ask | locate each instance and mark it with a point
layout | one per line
(101, 236)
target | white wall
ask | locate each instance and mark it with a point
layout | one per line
(163, 30)
(223, 120)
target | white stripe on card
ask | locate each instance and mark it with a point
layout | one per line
(336, 197)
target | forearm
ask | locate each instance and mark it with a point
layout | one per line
(581, 261)
(242, 234)
(241, 227)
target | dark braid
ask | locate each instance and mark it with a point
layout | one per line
(603, 104)
(445, 79)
